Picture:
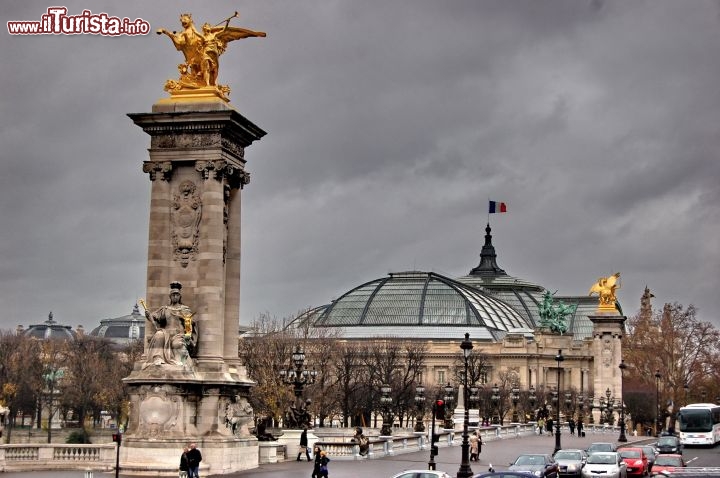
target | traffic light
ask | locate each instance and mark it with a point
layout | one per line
(439, 409)
(117, 438)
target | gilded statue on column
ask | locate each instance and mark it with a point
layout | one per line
(605, 288)
(202, 50)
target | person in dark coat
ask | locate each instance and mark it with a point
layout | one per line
(194, 458)
(184, 463)
(304, 445)
(324, 464)
(318, 461)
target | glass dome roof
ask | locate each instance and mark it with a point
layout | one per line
(406, 300)
(50, 329)
(122, 330)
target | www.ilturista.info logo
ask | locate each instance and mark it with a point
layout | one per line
(57, 22)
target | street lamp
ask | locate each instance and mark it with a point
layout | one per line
(449, 399)
(496, 403)
(622, 367)
(657, 401)
(559, 358)
(532, 398)
(475, 397)
(298, 377)
(581, 414)
(385, 401)
(515, 399)
(608, 407)
(465, 471)
(420, 401)
(568, 403)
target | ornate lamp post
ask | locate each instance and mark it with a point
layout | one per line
(496, 403)
(465, 471)
(568, 403)
(475, 397)
(515, 399)
(608, 406)
(622, 367)
(420, 401)
(532, 399)
(581, 413)
(387, 416)
(298, 377)
(657, 401)
(449, 399)
(558, 358)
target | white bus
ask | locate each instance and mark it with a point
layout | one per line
(699, 424)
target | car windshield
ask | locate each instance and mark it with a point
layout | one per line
(598, 459)
(529, 460)
(672, 441)
(568, 455)
(630, 454)
(668, 461)
(600, 447)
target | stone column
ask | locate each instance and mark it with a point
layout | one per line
(608, 332)
(197, 169)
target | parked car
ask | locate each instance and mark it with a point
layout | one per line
(667, 463)
(542, 465)
(650, 452)
(570, 461)
(600, 446)
(505, 474)
(669, 445)
(422, 474)
(636, 461)
(607, 464)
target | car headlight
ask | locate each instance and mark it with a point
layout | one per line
(572, 467)
(537, 473)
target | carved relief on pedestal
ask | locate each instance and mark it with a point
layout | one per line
(186, 214)
(158, 412)
(607, 353)
(237, 414)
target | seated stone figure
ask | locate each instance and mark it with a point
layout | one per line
(174, 332)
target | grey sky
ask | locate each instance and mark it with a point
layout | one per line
(390, 125)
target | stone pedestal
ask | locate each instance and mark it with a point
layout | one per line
(197, 172)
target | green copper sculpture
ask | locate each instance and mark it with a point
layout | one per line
(554, 315)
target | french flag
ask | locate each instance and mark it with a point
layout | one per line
(497, 207)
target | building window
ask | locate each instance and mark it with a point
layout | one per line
(441, 377)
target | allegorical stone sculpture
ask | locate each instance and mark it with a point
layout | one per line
(605, 288)
(202, 52)
(554, 314)
(174, 332)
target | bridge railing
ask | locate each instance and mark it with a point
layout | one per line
(51, 456)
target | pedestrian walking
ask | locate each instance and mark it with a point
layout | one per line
(194, 458)
(184, 463)
(580, 431)
(304, 445)
(318, 459)
(571, 424)
(324, 464)
(541, 426)
(474, 443)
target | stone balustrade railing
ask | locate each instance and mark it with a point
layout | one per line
(32, 456)
(50, 456)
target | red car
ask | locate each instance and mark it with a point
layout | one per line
(636, 460)
(667, 463)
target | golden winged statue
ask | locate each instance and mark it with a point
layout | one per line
(202, 51)
(605, 288)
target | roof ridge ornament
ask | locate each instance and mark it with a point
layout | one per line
(488, 266)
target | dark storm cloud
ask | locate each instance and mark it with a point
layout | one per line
(390, 126)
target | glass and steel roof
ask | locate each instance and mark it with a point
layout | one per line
(411, 299)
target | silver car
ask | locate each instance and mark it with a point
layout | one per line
(421, 474)
(570, 461)
(604, 464)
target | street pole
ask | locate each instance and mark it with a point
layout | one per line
(559, 358)
(622, 367)
(657, 402)
(465, 471)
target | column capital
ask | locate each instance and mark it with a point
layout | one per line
(158, 169)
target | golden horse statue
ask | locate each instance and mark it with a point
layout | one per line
(202, 50)
(605, 288)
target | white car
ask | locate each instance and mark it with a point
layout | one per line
(604, 464)
(422, 474)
